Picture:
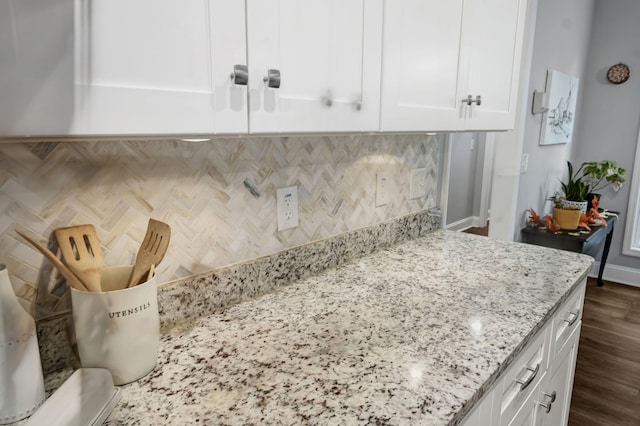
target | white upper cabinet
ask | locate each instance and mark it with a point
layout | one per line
(36, 67)
(494, 37)
(159, 67)
(420, 83)
(324, 59)
(202, 67)
(451, 65)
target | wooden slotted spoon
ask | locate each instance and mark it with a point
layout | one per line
(66, 272)
(152, 250)
(81, 250)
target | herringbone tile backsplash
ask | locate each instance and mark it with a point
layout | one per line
(218, 196)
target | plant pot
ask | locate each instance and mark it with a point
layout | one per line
(579, 205)
(590, 198)
(567, 219)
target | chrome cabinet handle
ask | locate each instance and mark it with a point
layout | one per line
(240, 75)
(548, 406)
(572, 321)
(272, 78)
(533, 372)
(469, 100)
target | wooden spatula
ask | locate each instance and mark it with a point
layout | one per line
(66, 272)
(81, 250)
(152, 250)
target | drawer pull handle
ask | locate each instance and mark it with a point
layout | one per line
(572, 321)
(533, 372)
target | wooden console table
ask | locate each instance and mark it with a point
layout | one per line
(587, 243)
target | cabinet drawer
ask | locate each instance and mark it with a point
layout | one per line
(567, 319)
(523, 376)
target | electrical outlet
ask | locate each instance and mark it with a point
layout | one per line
(287, 206)
(418, 183)
(472, 145)
(382, 189)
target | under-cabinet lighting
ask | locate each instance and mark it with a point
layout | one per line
(196, 140)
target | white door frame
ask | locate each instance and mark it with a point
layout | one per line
(487, 177)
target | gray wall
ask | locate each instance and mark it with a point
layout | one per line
(610, 113)
(465, 176)
(561, 43)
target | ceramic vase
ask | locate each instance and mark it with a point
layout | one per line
(580, 205)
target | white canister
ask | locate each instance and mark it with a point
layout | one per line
(21, 380)
(118, 329)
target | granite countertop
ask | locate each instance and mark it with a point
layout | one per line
(414, 334)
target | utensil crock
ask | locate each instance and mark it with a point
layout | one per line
(118, 328)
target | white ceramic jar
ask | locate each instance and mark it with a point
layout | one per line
(21, 379)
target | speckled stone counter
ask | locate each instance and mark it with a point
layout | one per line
(412, 334)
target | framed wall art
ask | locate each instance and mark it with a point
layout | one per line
(557, 124)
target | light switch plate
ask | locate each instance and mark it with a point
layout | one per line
(382, 189)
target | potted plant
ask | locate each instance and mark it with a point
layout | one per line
(565, 216)
(575, 189)
(601, 174)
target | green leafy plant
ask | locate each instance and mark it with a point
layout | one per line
(575, 188)
(601, 174)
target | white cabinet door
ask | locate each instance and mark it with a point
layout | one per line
(36, 67)
(526, 416)
(422, 65)
(159, 67)
(327, 55)
(493, 37)
(556, 394)
(437, 54)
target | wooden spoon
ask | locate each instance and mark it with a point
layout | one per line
(81, 250)
(152, 250)
(66, 272)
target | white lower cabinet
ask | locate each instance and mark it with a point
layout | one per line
(555, 394)
(526, 416)
(536, 388)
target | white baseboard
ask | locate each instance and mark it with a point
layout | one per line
(618, 274)
(466, 223)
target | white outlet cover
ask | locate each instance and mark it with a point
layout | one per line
(524, 163)
(418, 183)
(287, 207)
(382, 189)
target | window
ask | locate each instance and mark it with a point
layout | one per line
(631, 246)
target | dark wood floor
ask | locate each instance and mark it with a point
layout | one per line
(478, 231)
(606, 389)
